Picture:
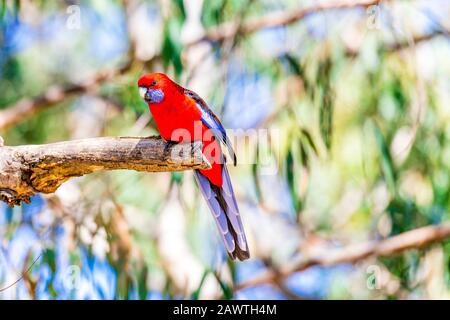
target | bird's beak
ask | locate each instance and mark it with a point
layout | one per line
(143, 92)
(151, 95)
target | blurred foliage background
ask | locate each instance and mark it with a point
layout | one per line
(354, 97)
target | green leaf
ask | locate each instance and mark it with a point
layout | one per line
(49, 258)
(226, 289)
(291, 180)
(179, 4)
(177, 177)
(326, 117)
(142, 283)
(294, 65)
(2, 10)
(304, 155)
(307, 136)
(171, 47)
(16, 7)
(255, 174)
(386, 160)
(196, 294)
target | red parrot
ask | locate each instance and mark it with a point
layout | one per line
(181, 115)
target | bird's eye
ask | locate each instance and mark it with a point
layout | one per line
(153, 83)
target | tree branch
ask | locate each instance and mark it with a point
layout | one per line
(398, 46)
(229, 29)
(26, 170)
(27, 107)
(413, 239)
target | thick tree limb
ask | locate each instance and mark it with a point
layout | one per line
(26, 170)
(413, 239)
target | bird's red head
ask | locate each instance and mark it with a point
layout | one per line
(154, 87)
(154, 80)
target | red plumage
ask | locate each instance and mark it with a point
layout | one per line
(181, 115)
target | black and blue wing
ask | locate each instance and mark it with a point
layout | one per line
(222, 203)
(213, 123)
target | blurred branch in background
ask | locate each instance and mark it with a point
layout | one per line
(25, 170)
(230, 29)
(398, 46)
(27, 107)
(414, 239)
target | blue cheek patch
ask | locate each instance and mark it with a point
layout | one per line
(156, 96)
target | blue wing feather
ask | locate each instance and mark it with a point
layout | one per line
(210, 120)
(223, 206)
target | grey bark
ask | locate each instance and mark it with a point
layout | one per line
(29, 169)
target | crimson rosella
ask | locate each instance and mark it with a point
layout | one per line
(181, 115)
